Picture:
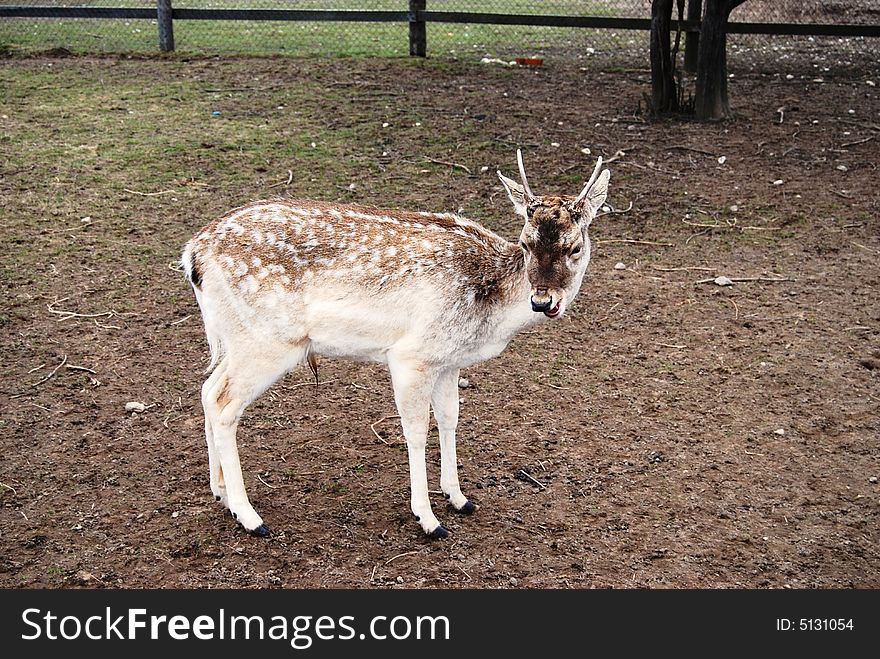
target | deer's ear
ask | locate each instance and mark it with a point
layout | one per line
(517, 195)
(591, 198)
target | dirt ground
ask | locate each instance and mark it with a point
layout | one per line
(667, 432)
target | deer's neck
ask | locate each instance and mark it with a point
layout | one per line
(510, 311)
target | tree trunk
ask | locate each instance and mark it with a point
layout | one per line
(711, 103)
(692, 39)
(664, 95)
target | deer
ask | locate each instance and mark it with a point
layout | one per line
(280, 282)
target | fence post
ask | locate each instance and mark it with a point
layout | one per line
(418, 37)
(692, 39)
(166, 27)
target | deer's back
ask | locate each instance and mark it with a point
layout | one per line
(374, 276)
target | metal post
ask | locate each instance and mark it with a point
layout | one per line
(418, 37)
(692, 39)
(166, 28)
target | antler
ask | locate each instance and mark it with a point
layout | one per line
(589, 184)
(522, 174)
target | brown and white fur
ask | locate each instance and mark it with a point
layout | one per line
(428, 294)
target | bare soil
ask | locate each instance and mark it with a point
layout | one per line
(667, 432)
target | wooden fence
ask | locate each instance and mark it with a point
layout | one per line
(417, 16)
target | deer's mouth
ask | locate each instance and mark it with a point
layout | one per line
(555, 311)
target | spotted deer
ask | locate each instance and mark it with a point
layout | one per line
(281, 281)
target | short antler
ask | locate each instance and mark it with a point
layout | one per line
(589, 184)
(522, 174)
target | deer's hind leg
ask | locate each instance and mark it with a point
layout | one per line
(245, 376)
(209, 393)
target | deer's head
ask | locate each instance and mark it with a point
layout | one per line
(554, 238)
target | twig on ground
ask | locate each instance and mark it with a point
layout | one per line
(617, 155)
(287, 182)
(449, 164)
(81, 368)
(671, 345)
(728, 224)
(867, 248)
(9, 487)
(533, 479)
(406, 553)
(149, 194)
(683, 268)
(735, 308)
(274, 487)
(862, 141)
(681, 147)
(860, 124)
(736, 279)
(376, 423)
(184, 319)
(617, 212)
(633, 242)
(72, 314)
(36, 368)
(54, 371)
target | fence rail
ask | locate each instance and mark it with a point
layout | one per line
(417, 15)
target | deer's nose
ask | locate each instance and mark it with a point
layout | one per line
(541, 300)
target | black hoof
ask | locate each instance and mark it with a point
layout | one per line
(467, 509)
(262, 531)
(440, 532)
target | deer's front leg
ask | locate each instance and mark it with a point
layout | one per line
(413, 383)
(445, 401)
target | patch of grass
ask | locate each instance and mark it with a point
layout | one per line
(55, 573)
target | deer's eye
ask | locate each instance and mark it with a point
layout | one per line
(525, 247)
(576, 251)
